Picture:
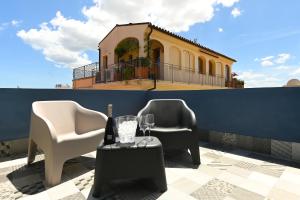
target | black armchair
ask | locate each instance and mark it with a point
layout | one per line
(175, 125)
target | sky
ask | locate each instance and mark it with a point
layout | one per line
(41, 41)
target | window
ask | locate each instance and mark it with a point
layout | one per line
(105, 62)
(201, 65)
(212, 68)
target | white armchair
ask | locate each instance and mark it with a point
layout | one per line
(63, 130)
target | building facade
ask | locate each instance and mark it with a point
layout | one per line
(173, 57)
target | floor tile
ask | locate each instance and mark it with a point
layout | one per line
(63, 190)
(263, 178)
(240, 193)
(214, 190)
(171, 176)
(76, 196)
(290, 177)
(173, 194)
(245, 165)
(244, 173)
(288, 186)
(279, 194)
(227, 174)
(185, 185)
(39, 196)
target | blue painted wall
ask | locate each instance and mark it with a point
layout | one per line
(259, 112)
(263, 112)
(15, 105)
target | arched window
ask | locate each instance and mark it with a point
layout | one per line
(212, 68)
(192, 62)
(125, 48)
(189, 60)
(201, 65)
(175, 56)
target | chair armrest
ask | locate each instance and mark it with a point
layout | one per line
(88, 120)
(42, 130)
(189, 118)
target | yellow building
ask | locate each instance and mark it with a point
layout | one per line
(145, 51)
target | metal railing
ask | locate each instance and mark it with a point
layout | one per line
(136, 70)
(86, 71)
(175, 73)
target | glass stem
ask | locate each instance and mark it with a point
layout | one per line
(149, 134)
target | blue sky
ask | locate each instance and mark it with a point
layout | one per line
(42, 40)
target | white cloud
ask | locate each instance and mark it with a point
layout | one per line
(282, 67)
(60, 45)
(266, 63)
(259, 79)
(267, 58)
(295, 72)
(236, 12)
(16, 22)
(272, 60)
(275, 76)
(220, 30)
(65, 40)
(227, 3)
(12, 23)
(282, 58)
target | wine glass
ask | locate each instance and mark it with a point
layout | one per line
(142, 124)
(150, 124)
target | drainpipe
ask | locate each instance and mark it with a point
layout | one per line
(148, 55)
(99, 63)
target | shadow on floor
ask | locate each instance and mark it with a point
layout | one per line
(128, 190)
(179, 159)
(30, 179)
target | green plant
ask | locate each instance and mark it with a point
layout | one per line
(238, 81)
(126, 46)
(145, 62)
(147, 45)
(128, 71)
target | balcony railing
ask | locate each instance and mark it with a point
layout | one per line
(85, 71)
(139, 69)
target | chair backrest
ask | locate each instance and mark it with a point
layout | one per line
(167, 112)
(60, 113)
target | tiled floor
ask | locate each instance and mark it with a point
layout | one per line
(224, 174)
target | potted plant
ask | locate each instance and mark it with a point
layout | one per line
(128, 73)
(142, 70)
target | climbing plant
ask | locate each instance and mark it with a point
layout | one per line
(126, 46)
(147, 50)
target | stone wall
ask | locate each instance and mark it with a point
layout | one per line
(275, 148)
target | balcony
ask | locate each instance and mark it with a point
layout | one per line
(248, 140)
(88, 76)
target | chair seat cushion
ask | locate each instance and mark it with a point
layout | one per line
(171, 129)
(74, 136)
